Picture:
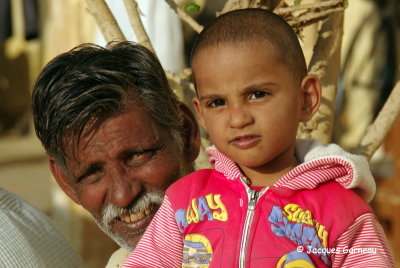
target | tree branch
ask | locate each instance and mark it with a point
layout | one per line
(299, 16)
(184, 16)
(181, 83)
(378, 130)
(325, 63)
(309, 18)
(232, 5)
(309, 7)
(240, 4)
(137, 25)
(105, 20)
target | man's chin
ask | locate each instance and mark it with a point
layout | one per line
(126, 243)
(125, 240)
(128, 234)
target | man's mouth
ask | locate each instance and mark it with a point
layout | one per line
(133, 217)
(126, 225)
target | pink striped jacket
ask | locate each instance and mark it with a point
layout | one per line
(308, 218)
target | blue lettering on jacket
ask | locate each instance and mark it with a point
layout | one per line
(299, 233)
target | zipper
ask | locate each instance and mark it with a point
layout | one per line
(252, 196)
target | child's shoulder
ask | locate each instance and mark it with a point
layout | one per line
(193, 184)
(334, 191)
(193, 180)
(333, 196)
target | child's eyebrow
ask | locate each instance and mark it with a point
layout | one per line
(210, 97)
(258, 86)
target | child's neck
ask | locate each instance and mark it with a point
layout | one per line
(266, 176)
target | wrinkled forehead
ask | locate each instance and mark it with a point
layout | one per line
(132, 125)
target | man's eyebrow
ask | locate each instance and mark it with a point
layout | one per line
(90, 169)
(154, 145)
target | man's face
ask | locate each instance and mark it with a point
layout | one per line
(120, 172)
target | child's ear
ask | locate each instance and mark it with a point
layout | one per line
(311, 97)
(199, 111)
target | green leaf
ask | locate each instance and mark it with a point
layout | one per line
(345, 3)
(192, 7)
(297, 2)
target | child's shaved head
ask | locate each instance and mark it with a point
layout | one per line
(252, 27)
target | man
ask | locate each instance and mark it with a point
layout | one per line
(29, 239)
(115, 134)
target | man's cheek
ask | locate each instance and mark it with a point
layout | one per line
(92, 204)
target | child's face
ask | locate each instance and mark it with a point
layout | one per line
(249, 103)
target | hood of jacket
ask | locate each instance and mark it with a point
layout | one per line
(319, 163)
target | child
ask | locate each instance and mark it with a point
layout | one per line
(260, 207)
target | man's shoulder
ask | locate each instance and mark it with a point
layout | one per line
(117, 258)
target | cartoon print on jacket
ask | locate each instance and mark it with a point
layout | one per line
(298, 225)
(295, 259)
(197, 251)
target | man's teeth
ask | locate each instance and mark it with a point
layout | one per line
(135, 217)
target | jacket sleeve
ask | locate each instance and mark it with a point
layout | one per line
(161, 245)
(363, 244)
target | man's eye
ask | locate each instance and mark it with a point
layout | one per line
(137, 159)
(216, 103)
(92, 174)
(88, 179)
(258, 94)
(93, 178)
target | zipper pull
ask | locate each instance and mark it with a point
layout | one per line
(253, 199)
(245, 180)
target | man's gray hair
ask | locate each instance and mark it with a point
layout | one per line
(80, 89)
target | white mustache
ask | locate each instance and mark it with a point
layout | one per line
(111, 212)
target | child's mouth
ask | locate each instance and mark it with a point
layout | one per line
(245, 141)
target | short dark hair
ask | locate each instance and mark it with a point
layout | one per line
(90, 83)
(254, 25)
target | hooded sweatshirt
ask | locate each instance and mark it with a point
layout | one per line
(308, 218)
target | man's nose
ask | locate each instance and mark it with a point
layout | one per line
(239, 116)
(123, 190)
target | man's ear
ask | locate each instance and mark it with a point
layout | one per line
(62, 180)
(191, 134)
(311, 97)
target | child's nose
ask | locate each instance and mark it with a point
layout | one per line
(240, 117)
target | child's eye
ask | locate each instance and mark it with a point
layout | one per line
(216, 103)
(258, 94)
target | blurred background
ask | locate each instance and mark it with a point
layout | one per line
(34, 31)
